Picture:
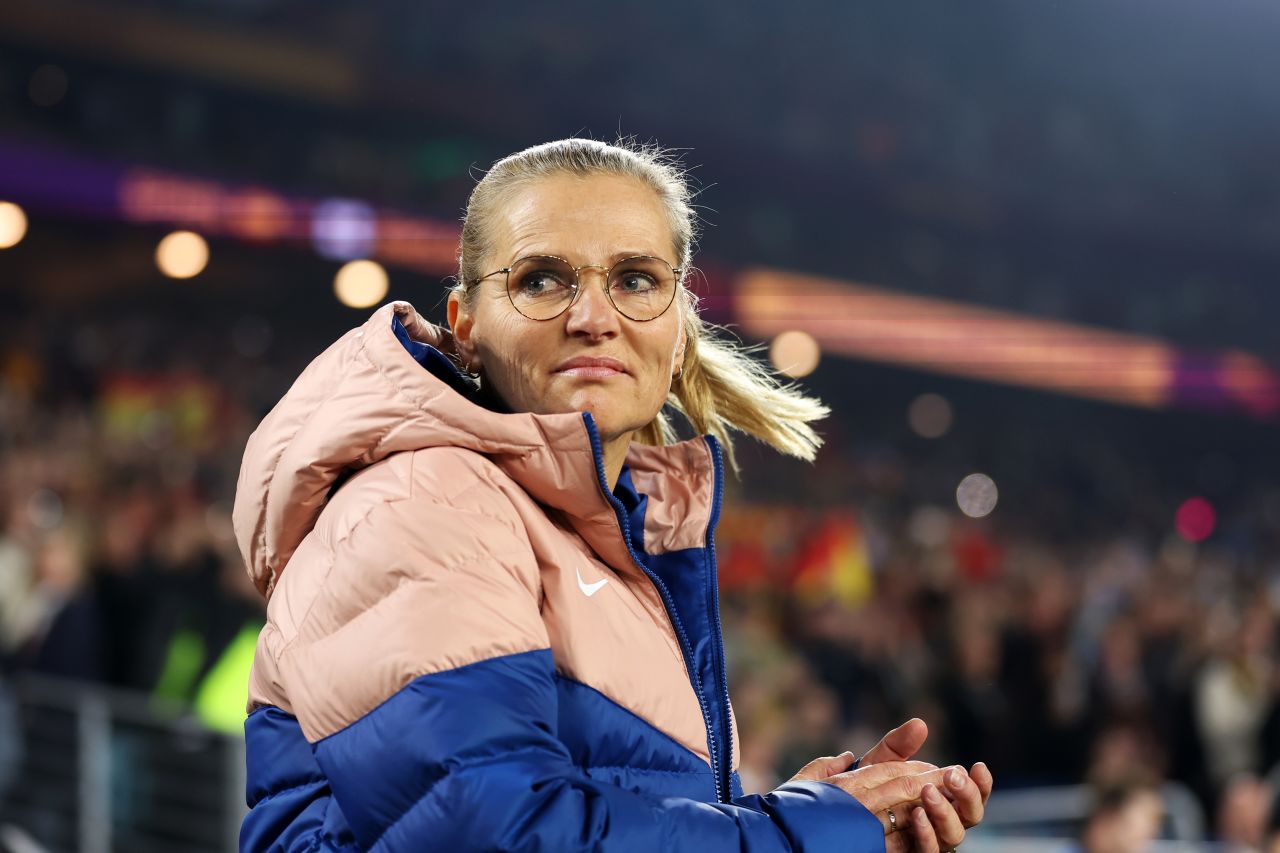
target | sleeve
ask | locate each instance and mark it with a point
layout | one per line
(461, 752)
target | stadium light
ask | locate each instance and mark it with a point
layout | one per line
(977, 495)
(795, 353)
(360, 284)
(182, 254)
(1195, 519)
(13, 224)
(929, 416)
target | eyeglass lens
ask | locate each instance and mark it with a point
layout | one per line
(640, 288)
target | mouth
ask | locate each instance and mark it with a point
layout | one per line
(585, 367)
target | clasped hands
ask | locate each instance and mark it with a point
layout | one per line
(931, 807)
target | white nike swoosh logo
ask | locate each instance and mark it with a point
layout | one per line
(589, 589)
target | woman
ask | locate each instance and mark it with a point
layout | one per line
(501, 632)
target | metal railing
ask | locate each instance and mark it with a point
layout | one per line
(100, 771)
(1050, 819)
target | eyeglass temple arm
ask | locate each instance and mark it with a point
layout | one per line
(504, 270)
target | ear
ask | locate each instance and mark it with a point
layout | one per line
(677, 362)
(462, 323)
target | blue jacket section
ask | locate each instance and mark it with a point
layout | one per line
(687, 581)
(505, 755)
(292, 806)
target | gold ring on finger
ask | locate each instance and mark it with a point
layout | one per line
(893, 822)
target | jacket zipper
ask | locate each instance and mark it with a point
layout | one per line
(713, 594)
(686, 647)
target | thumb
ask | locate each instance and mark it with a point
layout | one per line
(821, 768)
(899, 744)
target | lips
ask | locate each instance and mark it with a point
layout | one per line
(589, 367)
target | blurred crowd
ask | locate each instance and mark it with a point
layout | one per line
(1125, 657)
(118, 457)
(1118, 654)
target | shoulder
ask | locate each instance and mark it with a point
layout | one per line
(419, 564)
(413, 520)
(417, 486)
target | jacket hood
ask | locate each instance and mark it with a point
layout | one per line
(379, 390)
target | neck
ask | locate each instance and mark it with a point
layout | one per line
(615, 454)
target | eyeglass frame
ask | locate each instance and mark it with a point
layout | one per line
(676, 272)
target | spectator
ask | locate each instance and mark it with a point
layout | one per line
(1125, 819)
(63, 640)
(1243, 813)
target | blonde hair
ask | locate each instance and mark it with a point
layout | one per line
(721, 386)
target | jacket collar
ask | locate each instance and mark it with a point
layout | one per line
(382, 389)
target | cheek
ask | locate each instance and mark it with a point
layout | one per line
(659, 359)
(511, 352)
(669, 348)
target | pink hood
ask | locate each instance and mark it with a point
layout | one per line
(366, 397)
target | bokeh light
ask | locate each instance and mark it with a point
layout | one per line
(977, 495)
(182, 254)
(929, 415)
(258, 214)
(13, 224)
(1195, 519)
(344, 229)
(929, 526)
(795, 353)
(361, 284)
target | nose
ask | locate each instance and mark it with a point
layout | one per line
(592, 314)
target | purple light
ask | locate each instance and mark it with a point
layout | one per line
(343, 229)
(1195, 519)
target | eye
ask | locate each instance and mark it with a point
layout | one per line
(540, 283)
(635, 281)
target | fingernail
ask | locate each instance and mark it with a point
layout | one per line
(918, 815)
(931, 795)
(954, 780)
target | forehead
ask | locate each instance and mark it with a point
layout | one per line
(585, 219)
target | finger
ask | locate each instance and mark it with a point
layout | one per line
(981, 775)
(942, 816)
(925, 838)
(899, 744)
(878, 774)
(895, 820)
(821, 768)
(903, 840)
(900, 789)
(965, 796)
(900, 842)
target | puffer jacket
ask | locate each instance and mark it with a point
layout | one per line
(472, 644)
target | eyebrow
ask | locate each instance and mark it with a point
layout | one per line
(612, 259)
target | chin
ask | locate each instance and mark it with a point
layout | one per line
(609, 416)
(614, 413)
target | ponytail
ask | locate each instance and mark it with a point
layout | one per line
(723, 388)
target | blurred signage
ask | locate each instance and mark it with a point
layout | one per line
(342, 229)
(845, 318)
(1000, 346)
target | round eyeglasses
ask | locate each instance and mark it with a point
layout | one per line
(542, 287)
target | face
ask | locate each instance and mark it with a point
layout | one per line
(590, 358)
